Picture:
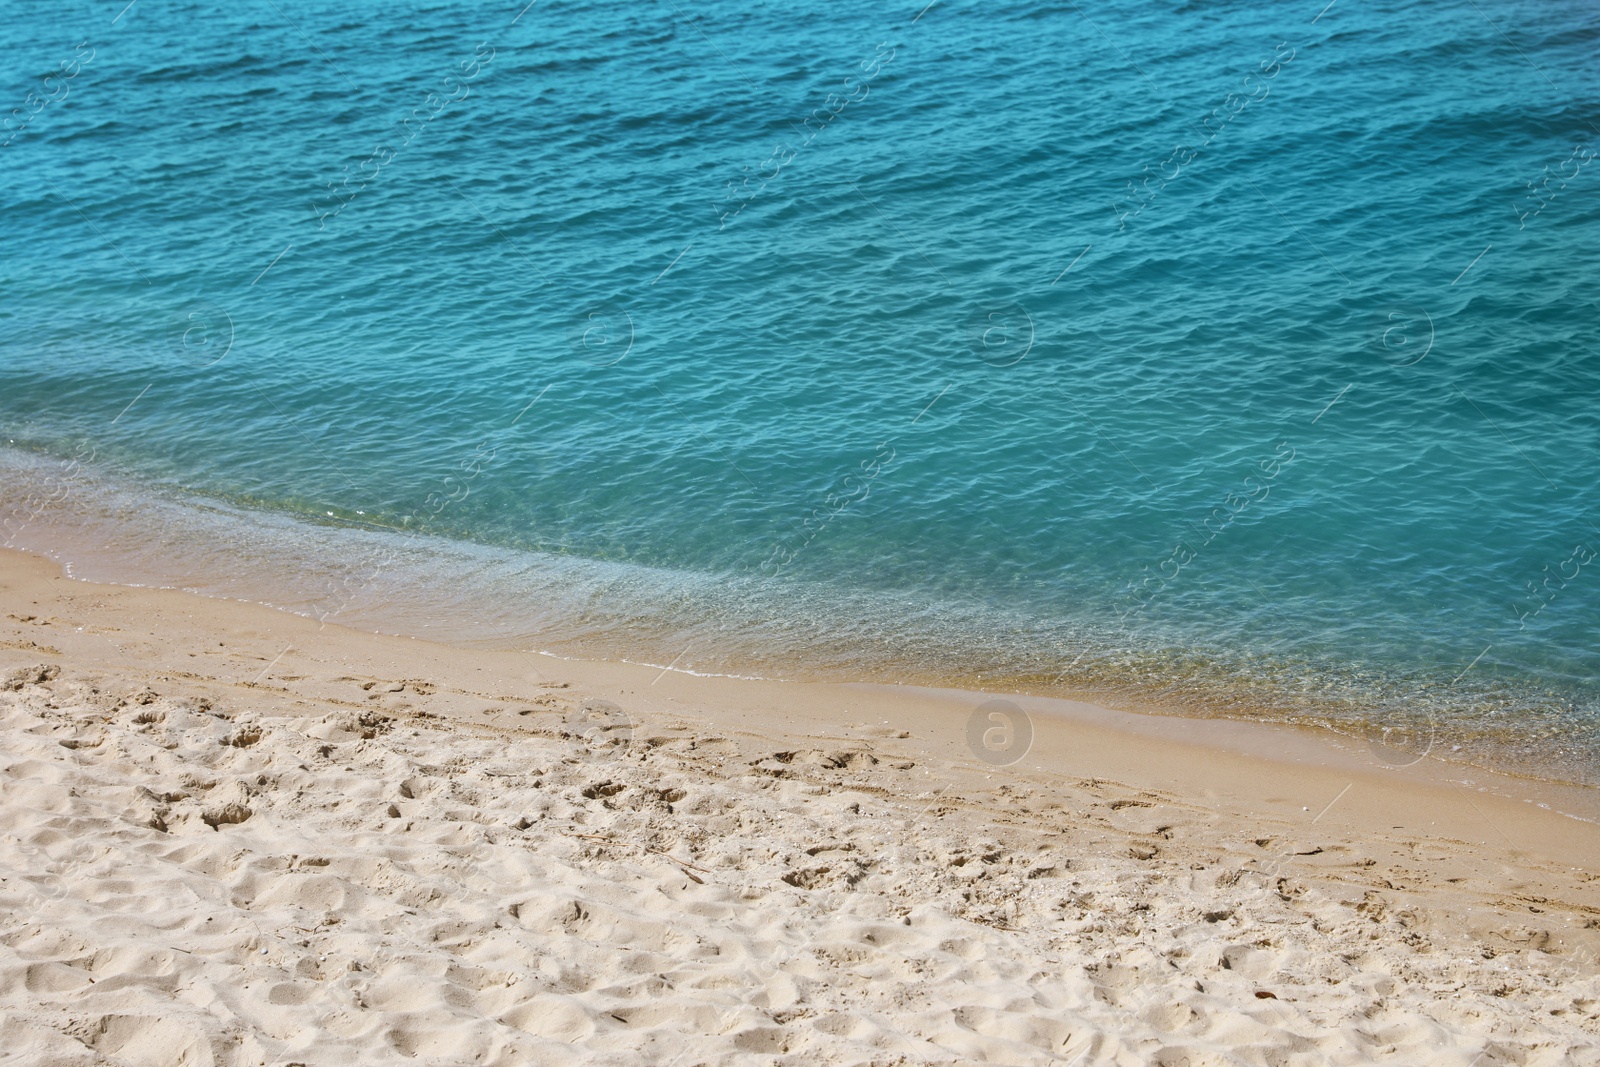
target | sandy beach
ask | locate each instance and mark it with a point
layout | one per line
(231, 835)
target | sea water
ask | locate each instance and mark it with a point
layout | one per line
(1228, 358)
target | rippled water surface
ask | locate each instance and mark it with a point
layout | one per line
(1237, 358)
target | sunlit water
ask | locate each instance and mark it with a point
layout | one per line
(1234, 358)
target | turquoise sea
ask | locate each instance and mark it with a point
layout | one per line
(1228, 358)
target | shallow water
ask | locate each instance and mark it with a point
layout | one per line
(800, 342)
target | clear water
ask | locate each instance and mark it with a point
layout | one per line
(1237, 358)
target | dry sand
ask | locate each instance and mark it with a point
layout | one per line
(229, 835)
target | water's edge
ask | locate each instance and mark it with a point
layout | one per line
(460, 593)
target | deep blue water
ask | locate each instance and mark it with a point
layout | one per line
(1235, 357)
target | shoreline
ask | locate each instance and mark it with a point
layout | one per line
(1421, 763)
(484, 596)
(1188, 887)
